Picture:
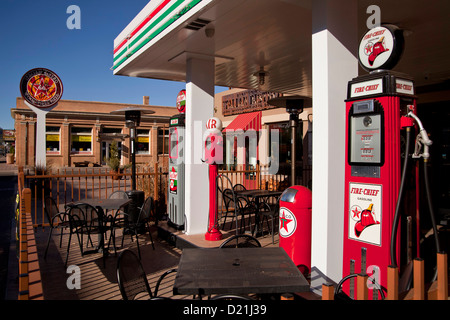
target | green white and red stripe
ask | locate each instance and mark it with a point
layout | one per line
(163, 13)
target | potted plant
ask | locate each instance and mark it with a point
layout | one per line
(114, 160)
(10, 156)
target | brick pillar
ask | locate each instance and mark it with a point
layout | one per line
(96, 144)
(21, 146)
(31, 145)
(154, 144)
(65, 143)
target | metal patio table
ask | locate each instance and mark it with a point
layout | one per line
(207, 271)
(102, 206)
(257, 195)
(106, 204)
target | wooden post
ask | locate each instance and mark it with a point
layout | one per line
(25, 207)
(419, 279)
(258, 176)
(392, 283)
(362, 292)
(287, 296)
(442, 277)
(155, 182)
(21, 178)
(327, 291)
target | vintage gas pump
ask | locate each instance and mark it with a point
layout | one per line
(213, 156)
(375, 106)
(176, 190)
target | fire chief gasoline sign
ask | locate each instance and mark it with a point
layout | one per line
(364, 216)
(41, 87)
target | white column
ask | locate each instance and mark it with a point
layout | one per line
(334, 63)
(40, 150)
(199, 108)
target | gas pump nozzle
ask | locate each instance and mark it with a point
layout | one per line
(422, 139)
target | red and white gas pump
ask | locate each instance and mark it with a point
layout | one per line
(213, 156)
(375, 106)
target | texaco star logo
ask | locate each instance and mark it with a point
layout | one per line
(288, 223)
(41, 87)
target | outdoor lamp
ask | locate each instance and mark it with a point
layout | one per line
(294, 106)
(132, 120)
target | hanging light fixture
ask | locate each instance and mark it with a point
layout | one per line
(261, 75)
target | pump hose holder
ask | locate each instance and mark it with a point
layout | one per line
(338, 295)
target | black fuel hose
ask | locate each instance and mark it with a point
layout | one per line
(400, 198)
(430, 206)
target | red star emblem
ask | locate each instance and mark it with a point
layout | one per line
(42, 88)
(284, 222)
(356, 212)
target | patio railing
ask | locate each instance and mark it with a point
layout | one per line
(30, 284)
(74, 184)
(255, 178)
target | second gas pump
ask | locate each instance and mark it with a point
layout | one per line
(176, 187)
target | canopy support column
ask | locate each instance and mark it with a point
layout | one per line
(334, 63)
(199, 108)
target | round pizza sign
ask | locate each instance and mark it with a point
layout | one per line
(41, 87)
(381, 48)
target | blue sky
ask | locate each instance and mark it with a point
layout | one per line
(34, 34)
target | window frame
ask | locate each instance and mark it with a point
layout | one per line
(53, 133)
(81, 134)
(140, 134)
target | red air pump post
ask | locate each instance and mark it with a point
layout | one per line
(213, 156)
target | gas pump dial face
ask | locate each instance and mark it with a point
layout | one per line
(365, 140)
(367, 121)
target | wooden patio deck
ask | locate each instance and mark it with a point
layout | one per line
(100, 283)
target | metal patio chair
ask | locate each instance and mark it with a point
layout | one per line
(237, 207)
(56, 219)
(142, 223)
(268, 209)
(119, 219)
(87, 220)
(132, 278)
(241, 241)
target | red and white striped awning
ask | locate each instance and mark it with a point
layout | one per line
(245, 121)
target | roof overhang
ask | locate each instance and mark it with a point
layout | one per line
(89, 115)
(243, 36)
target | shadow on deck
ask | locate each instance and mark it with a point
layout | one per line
(100, 283)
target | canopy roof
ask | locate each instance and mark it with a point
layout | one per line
(243, 36)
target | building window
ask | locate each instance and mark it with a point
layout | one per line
(142, 141)
(163, 141)
(81, 140)
(52, 138)
(111, 130)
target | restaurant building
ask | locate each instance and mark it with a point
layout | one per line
(80, 133)
(241, 110)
